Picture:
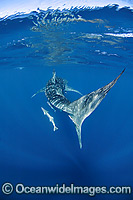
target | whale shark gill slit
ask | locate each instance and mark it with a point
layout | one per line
(80, 109)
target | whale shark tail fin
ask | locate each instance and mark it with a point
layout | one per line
(78, 125)
(85, 105)
(120, 74)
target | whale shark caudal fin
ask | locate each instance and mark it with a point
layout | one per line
(85, 105)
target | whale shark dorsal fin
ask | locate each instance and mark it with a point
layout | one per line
(54, 76)
(70, 89)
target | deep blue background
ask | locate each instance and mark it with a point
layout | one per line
(31, 153)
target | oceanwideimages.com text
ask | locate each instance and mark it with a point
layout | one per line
(8, 188)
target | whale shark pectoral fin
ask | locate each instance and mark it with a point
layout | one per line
(67, 88)
(41, 90)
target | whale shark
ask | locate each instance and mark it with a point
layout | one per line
(79, 109)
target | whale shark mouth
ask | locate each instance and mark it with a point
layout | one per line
(80, 109)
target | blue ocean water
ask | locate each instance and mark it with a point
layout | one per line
(88, 48)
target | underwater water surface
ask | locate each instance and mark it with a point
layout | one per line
(89, 48)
